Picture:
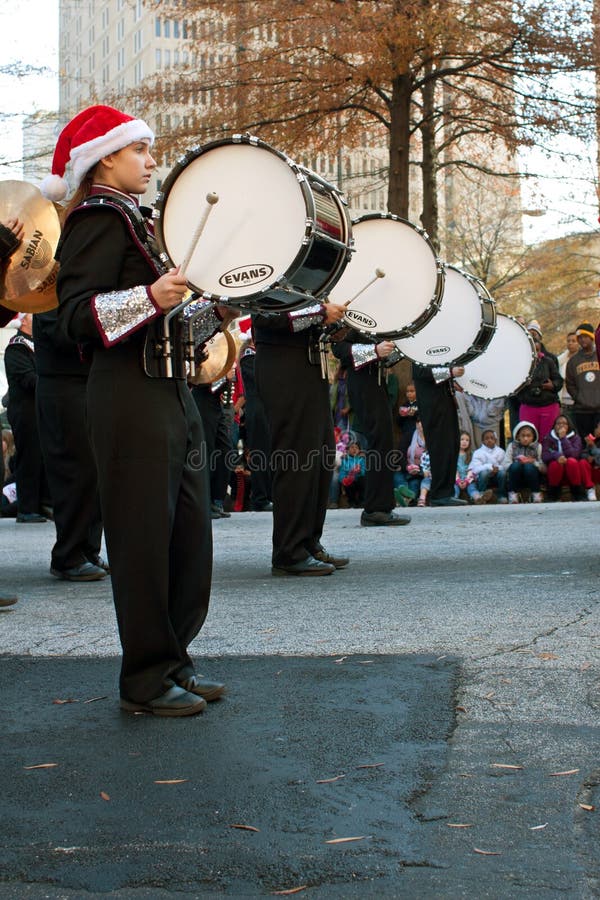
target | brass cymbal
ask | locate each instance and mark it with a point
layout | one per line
(41, 300)
(32, 267)
(222, 350)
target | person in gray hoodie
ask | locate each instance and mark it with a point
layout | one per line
(523, 462)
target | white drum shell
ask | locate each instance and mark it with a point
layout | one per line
(277, 232)
(505, 366)
(457, 329)
(407, 297)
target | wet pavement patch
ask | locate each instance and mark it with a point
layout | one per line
(241, 800)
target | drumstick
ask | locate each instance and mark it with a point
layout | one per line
(379, 273)
(211, 199)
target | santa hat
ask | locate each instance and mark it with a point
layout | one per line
(245, 324)
(93, 134)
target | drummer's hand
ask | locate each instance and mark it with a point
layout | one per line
(169, 290)
(227, 313)
(16, 226)
(384, 348)
(334, 312)
(457, 371)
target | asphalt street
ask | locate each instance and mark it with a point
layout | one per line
(438, 702)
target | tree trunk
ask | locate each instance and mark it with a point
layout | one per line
(596, 57)
(398, 192)
(429, 216)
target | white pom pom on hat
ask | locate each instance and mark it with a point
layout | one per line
(90, 136)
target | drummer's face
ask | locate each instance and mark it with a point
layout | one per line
(130, 169)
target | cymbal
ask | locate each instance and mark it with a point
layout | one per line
(32, 267)
(222, 350)
(41, 300)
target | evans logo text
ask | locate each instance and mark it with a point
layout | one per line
(436, 351)
(361, 320)
(480, 384)
(244, 276)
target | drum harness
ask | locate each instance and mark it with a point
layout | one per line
(160, 357)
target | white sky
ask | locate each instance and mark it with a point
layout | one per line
(29, 30)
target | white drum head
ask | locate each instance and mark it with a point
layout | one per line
(505, 365)
(254, 232)
(395, 304)
(453, 329)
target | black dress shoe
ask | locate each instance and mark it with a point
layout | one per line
(217, 511)
(30, 518)
(210, 690)
(338, 562)
(174, 702)
(449, 501)
(308, 566)
(87, 571)
(262, 507)
(8, 601)
(383, 518)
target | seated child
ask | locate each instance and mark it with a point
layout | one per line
(425, 485)
(486, 466)
(352, 473)
(414, 471)
(465, 479)
(562, 452)
(591, 452)
(523, 462)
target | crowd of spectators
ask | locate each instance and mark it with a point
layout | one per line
(543, 443)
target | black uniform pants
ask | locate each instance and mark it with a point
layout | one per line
(437, 410)
(217, 434)
(147, 438)
(296, 401)
(70, 469)
(32, 492)
(369, 400)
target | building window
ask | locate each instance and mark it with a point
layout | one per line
(137, 41)
(158, 58)
(105, 17)
(176, 28)
(167, 57)
(138, 72)
(157, 27)
(167, 28)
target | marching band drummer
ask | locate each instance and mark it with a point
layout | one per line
(296, 401)
(438, 411)
(143, 425)
(363, 361)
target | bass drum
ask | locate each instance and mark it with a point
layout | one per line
(278, 237)
(505, 366)
(462, 328)
(407, 297)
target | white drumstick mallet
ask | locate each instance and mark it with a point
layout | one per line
(379, 273)
(211, 200)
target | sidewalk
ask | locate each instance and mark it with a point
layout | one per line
(458, 658)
